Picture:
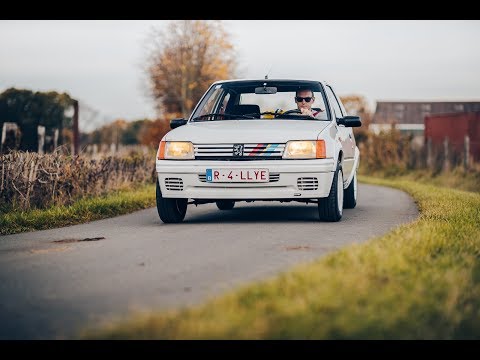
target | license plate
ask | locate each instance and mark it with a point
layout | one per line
(237, 175)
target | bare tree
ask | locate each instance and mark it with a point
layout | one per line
(184, 61)
(357, 105)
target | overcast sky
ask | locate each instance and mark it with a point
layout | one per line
(100, 62)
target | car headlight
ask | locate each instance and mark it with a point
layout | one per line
(175, 150)
(307, 149)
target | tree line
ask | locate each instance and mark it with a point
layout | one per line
(139, 132)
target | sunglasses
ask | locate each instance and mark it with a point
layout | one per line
(300, 99)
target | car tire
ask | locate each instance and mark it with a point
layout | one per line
(225, 204)
(350, 194)
(170, 210)
(331, 207)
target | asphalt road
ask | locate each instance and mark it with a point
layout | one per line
(52, 284)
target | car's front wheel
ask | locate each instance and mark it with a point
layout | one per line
(170, 210)
(331, 207)
(350, 194)
(225, 204)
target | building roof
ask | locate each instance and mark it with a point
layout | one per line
(414, 112)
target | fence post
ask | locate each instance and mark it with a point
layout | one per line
(55, 139)
(429, 153)
(466, 152)
(76, 133)
(10, 137)
(446, 162)
(41, 138)
(4, 136)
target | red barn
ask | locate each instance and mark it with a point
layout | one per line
(455, 126)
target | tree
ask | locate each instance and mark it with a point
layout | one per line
(130, 135)
(184, 61)
(118, 132)
(29, 109)
(358, 105)
(152, 132)
(109, 134)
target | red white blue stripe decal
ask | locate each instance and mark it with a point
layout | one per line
(263, 150)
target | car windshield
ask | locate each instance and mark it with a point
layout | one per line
(262, 99)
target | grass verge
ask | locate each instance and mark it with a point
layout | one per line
(84, 210)
(457, 178)
(420, 281)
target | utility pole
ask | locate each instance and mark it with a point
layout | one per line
(76, 135)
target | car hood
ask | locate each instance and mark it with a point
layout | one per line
(248, 131)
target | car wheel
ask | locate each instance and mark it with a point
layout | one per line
(170, 210)
(350, 194)
(331, 207)
(225, 204)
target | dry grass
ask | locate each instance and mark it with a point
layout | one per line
(394, 153)
(32, 181)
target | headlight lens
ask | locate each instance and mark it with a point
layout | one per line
(176, 150)
(307, 149)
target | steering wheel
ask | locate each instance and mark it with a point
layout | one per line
(297, 111)
(294, 111)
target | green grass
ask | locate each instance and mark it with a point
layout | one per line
(84, 210)
(420, 281)
(455, 179)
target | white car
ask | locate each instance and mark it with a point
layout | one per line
(247, 141)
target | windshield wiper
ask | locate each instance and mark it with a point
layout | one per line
(223, 115)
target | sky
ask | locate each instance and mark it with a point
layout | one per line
(100, 62)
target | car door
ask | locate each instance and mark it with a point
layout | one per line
(345, 134)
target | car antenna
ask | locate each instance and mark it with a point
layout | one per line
(268, 72)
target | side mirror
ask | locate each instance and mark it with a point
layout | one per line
(350, 121)
(177, 122)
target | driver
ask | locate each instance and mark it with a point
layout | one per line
(305, 99)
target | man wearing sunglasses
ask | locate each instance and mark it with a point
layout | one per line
(305, 99)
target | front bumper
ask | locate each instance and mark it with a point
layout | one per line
(289, 179)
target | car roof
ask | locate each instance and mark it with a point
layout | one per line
(287, 84)
(306, 81)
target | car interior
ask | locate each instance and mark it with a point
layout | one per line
(245, 109)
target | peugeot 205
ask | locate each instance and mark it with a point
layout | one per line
(249, 140)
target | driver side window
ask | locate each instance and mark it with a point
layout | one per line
(334, 103)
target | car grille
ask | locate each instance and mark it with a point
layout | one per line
(250, 152)
(307, 183)
(273, 177)
(175, 184)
